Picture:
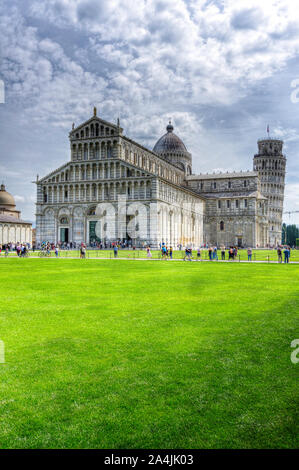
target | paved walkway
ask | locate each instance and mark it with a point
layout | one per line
(156, 259)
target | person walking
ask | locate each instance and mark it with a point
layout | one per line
(170, 252)
(279, 254)
(210, 253)
(18, 249)
(115, 250)
(223, 253)
(56, 251)
(286, 252)
(148, 250)
(82, 251)
(249, 254)
(198, 254)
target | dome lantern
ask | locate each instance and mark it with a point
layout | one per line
(169, 128)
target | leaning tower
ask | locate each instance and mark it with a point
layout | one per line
(270, 163)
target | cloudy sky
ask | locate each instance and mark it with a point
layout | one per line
(221, 69)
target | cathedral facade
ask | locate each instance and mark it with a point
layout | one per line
(113, 188)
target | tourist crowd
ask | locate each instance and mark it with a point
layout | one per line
(231, 253)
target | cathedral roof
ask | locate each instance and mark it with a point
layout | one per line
(212, 176)
(6, 199)
(233, 194)
(12, 220)
(169, 142)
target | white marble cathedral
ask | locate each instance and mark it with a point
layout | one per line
(113, 181)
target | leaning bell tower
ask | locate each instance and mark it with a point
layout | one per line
(270, 163)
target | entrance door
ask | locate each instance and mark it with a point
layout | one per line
(94, 231)
(239, 242)
(64, 235)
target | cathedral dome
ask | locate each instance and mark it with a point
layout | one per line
(6, 199)
(172, 149)
(169, 142)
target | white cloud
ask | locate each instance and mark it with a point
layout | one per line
(291, 203)
(193, 53)
(218, 42)
(145, 61)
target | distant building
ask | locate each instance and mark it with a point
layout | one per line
(233, 208)
(12, 228)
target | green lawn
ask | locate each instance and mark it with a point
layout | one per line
(148, 354)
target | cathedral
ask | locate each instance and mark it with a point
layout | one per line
(12, 228)
(114, 188)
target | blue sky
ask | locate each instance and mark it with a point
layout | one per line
(222, 70)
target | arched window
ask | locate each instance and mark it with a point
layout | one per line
(92, 211)
(221, 226)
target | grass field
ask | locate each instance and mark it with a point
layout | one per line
(148, 355)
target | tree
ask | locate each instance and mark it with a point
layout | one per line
(289, 234)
